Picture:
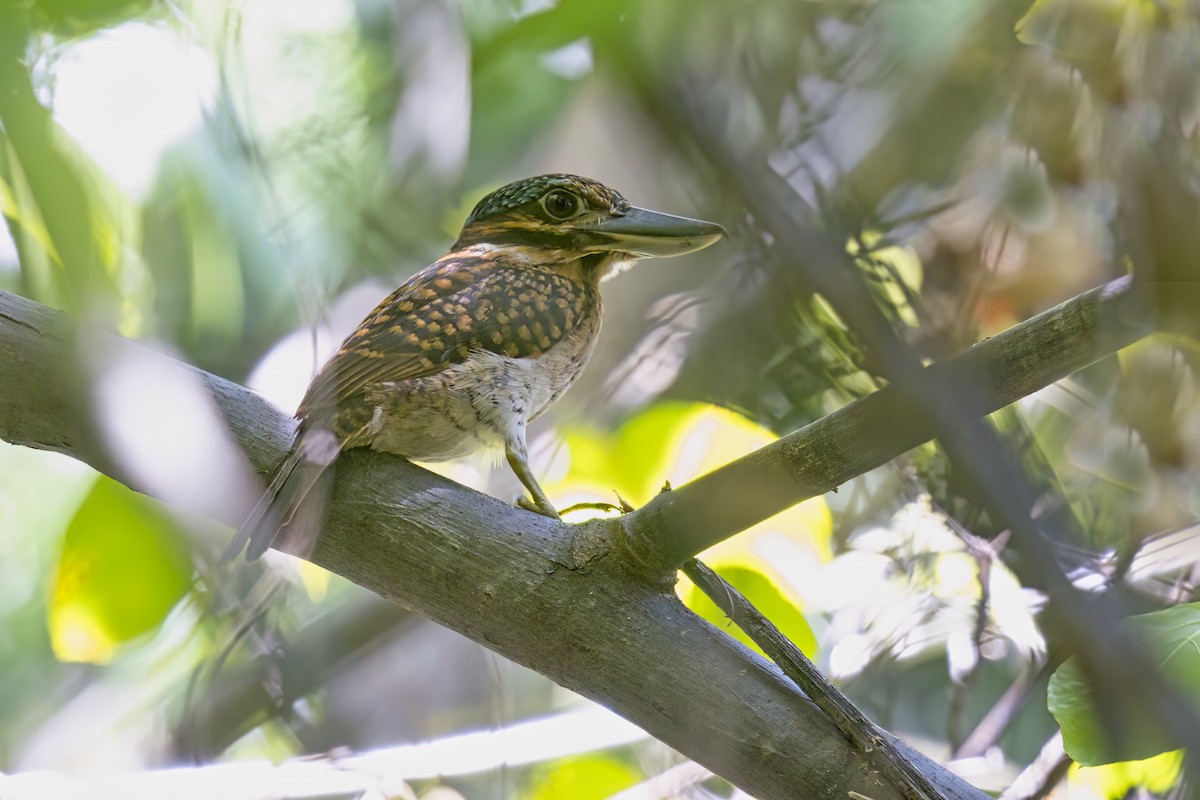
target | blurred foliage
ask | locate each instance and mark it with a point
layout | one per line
(1158, 774)
(587, 778)
(78, 17)
(123, 567)
(1172, 638)
(237, 182)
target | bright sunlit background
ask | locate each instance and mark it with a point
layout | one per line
(237, 183)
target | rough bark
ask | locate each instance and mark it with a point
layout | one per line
(581, 604)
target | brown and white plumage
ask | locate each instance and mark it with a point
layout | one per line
(472, 348)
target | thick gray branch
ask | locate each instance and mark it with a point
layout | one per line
(558, 599)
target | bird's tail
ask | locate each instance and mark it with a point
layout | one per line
(289, 501)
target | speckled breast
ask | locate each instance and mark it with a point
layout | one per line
(460, 357)
(479, 404)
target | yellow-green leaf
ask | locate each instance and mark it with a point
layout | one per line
(592, 777)
(756, 582)
(1158, 775)
(81, 17)
(675, 443)
(123, 568)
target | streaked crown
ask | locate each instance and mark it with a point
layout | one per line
(555, 198)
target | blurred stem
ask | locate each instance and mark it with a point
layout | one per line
(1001, 715)
(237, 700)
(34, 261)
(984, 552)
(1038, 779)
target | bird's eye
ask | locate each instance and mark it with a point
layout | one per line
(561, 204)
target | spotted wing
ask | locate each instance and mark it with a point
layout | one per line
(437, 318)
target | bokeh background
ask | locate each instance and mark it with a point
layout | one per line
(236, 183)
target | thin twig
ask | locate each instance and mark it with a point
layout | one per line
(865, 735)
(984, 552)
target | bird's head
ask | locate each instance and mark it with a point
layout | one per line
(565, 218)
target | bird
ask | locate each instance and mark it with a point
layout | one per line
(472, 348)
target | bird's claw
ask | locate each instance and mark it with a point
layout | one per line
(537, 508)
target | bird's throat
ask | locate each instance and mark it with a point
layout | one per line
(602, 266)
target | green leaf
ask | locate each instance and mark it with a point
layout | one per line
(1157, 775)
(71, 225)
(1171, 638)
(584, 778)
(81, 17)
(123, 568)
(760, 588)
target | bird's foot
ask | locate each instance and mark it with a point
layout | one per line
(546, 510)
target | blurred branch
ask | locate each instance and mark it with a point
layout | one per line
(1040, 777)
(565, 601)
(238, 699)
(381, 771)
(1086, 625)
(949, 411)
(870, 432)
(1002, 713)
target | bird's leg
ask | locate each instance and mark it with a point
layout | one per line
(518, 459)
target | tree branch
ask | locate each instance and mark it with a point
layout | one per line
(372, 773)
(1114, 665)
(237, 699)
(867, 433)
(563, 600)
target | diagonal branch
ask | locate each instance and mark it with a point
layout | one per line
(566, 602)
(865, 434)
(569, 607)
